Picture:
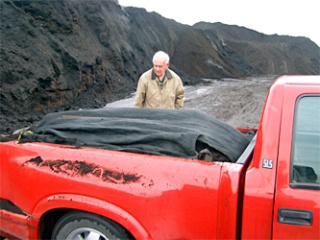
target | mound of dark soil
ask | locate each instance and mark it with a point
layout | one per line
(63, 55)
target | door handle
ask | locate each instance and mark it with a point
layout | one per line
(294, 216)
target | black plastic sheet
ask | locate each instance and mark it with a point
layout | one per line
(178, 133)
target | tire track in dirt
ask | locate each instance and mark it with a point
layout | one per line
(237, 102)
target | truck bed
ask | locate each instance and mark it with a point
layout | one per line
(182, 133)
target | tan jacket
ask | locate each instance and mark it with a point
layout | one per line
(150, 94)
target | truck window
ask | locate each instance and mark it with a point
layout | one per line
(305, 160)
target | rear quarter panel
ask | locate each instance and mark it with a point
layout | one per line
(152, 196)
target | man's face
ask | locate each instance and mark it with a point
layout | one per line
(159, 67)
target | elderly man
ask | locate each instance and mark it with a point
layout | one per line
(160, 87)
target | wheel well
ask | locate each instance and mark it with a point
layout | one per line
(50, 218)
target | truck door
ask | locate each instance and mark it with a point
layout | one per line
(297, 198)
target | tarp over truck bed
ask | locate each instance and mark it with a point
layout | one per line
(179, 133)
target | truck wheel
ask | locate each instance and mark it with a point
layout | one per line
(81, 225)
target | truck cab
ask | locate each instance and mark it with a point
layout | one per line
(281, 193)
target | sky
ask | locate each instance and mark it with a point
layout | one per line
(283, 17)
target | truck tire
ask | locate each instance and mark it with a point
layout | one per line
(82, 225)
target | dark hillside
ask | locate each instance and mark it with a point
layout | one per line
(63, 54)
(267, 54)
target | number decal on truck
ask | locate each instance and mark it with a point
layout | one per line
(267, 163)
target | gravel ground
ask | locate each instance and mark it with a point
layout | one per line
(238, 102)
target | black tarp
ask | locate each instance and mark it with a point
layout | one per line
(179, 133)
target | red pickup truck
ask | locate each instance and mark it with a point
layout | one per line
(53, 190)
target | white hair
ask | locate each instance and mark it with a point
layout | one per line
(161, 55)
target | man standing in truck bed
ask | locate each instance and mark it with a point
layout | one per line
(160, 87)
